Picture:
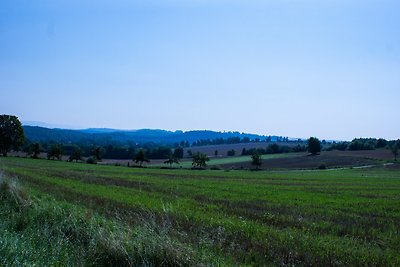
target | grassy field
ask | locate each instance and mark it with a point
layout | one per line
(228, 160)
(130, 216)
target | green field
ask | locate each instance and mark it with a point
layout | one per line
(230, 160)
(134, 216)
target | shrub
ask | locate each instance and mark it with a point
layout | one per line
(322, 167)
(91, 160)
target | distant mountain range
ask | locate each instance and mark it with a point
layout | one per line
(106, 136)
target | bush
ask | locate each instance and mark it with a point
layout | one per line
(231, 153)
(322, 167)
(91, 160)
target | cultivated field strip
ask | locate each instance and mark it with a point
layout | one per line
(337, 217)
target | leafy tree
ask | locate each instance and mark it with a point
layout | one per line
(76, 154)
(200, 160)
(256, 159)
(141, 157)
(11, 134)
(171, 160)
(231, 153)
(394, 148)
(97, 152)
(178, 152)
(34, 150)
(314, 145)
(216, 153)
(55, 152)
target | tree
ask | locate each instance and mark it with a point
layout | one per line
(200, 160)
(314, 145)
(55, 152)
(231, 153)
(394, 148)
(178, 152)
(216, 153)
(256, 159)
(141, 157)
(11, 134)
(34, 150)
(97, 152)
(76, 154)
(171, 160)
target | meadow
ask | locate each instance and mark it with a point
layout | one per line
(59, 213)
(221, 161)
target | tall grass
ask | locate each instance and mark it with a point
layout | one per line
(38, 230)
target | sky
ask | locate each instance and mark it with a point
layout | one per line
(301, 68)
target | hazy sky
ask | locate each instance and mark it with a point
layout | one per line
(295, 68)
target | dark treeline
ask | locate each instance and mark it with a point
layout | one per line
(110, 151)
(274, 149)
(361, 144)
(238, 140)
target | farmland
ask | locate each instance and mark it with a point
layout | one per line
(284, 161)
(228, 161)
(154, 216)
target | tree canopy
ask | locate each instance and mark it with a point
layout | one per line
(55, 152)
(97, 152)
(314, 145)
(76, 154)
(178, 152)
(171, 160)
(141, 157)
(11, 134)
(34, 149)
(200, 160)
(256, 160)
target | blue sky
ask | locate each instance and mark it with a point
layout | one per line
(295, 68)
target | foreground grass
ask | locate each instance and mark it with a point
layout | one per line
(342, 217)
(38, 230)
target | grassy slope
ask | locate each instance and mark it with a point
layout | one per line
(337, 217)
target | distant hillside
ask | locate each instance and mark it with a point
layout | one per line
(106, 136)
